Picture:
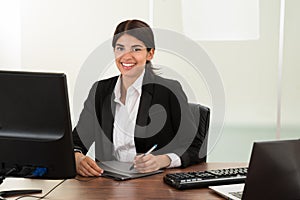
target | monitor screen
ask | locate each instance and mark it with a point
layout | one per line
(35, 125)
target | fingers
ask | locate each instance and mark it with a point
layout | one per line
(151, 163)
(146, 163)
(88, 167)
(85, 166)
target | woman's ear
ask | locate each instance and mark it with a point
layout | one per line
(150, 54)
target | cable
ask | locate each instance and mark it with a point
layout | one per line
(42, 197)
(6, 174)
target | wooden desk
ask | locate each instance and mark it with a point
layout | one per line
(151, 187)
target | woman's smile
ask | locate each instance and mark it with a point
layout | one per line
(127, 66)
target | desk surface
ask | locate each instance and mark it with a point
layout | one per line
(151, 187)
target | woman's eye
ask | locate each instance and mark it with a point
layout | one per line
(119, 48)
(136, 49)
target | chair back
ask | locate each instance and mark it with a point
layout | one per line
(202, 117)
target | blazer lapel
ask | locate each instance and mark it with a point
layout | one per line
(106, 107)
(108, 111)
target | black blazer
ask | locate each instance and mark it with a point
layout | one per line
(163, 118)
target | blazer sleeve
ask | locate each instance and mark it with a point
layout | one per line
(84, 132)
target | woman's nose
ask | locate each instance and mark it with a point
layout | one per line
(127, 54)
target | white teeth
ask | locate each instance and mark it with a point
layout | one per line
(127, 64)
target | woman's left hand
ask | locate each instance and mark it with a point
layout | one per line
(150, 163)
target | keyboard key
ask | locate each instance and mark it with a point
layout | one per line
(198, 179)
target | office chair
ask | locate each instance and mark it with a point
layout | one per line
(202, 116)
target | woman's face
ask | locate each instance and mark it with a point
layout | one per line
(131, 55)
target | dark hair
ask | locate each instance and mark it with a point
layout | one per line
(139, 30)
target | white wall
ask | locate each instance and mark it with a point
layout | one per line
(10, 34)
(59, 35)
(291, 67)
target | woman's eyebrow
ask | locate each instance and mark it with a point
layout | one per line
(137, 45)
(121, 45)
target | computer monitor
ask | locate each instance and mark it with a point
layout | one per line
(35, 125)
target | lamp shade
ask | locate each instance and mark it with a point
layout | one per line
(221, 19)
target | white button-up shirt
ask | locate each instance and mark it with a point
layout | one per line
(125, 120)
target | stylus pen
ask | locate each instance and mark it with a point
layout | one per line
(148, 152)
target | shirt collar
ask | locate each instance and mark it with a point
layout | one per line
(137, 85)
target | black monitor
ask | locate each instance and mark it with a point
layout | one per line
(35, 126)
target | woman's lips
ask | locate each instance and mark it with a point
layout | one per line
(127, 66)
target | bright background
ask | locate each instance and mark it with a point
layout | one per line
(59, 35)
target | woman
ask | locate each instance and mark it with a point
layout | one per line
(126, 115)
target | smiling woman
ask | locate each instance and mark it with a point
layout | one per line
(131, 56)
(127, 114)
(134, 37)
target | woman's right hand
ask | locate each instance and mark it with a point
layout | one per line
(85, 166)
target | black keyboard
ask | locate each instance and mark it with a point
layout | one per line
(199, 179)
